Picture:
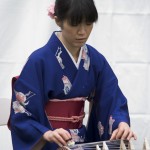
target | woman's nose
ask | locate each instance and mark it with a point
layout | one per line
(82, 29)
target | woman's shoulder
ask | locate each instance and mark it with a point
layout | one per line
(95, 55)
(40, 54)
(98, 60)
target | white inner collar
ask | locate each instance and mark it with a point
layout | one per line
(79, 57)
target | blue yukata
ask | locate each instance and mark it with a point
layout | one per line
(50, 73)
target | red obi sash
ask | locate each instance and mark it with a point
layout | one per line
(67, 114)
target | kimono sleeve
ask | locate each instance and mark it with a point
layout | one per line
(27, 119)
(109, 105)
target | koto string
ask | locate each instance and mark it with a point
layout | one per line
(114, 144)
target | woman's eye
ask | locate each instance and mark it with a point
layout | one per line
(74, 25)
(89, 24)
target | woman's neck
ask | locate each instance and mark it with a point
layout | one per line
(73, 50)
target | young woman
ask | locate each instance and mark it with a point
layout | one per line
(49, 95)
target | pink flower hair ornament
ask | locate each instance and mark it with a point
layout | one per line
(51, 10)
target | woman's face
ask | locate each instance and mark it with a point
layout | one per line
(74, 37)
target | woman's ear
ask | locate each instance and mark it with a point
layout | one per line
(58, 21)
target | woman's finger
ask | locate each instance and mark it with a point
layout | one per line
(132, 135)
(64, 134)
(120, 133)
(55, 140)
(56, 137)
(125, 134)
(113, 136)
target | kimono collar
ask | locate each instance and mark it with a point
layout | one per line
(55, 45)
(79, 57)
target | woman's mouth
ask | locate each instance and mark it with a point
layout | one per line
(81, 40)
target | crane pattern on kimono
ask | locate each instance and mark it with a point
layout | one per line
(65, 79)
(75, 135)
(67, 85)
(22, 100)
(86, 58)
(60, 60)
(100, 128)
(111, 122)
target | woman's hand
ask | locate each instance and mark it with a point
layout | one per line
(123, 132)
(59, 136)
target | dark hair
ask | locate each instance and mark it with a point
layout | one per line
(76, 11)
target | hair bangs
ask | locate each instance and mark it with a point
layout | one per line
(81, 11)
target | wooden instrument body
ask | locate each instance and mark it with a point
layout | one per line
(108, 145)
